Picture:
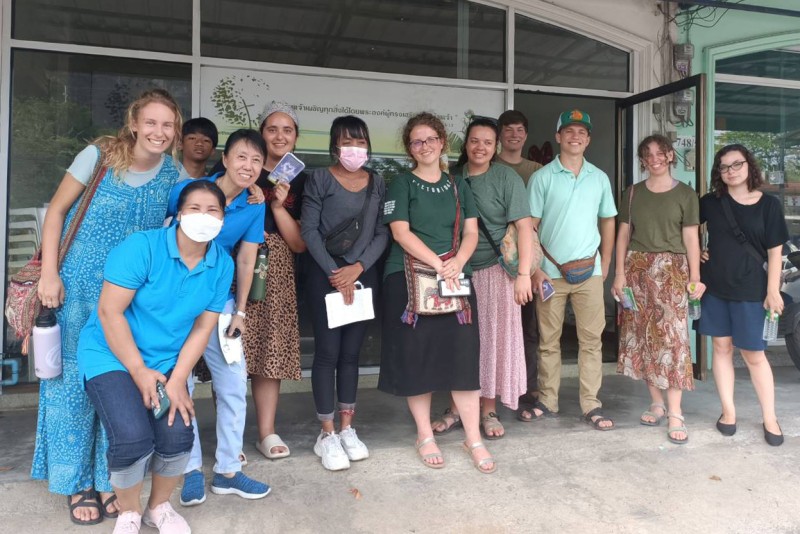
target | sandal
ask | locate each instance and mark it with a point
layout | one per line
(651, 413)
(480, 463)
(104, 504)
(491, 423)
(425, 457)
(595, 423)
(266, 445)
(538, 405)
(450, 420)
(681, 428)
(88, 500)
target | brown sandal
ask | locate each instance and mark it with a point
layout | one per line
(450, 420)
(491, 423)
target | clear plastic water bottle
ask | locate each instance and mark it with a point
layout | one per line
(770, 332)
(694, 306)
(46, 337)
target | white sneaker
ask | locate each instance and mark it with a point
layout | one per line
(165, 519)
(354, 447)
(329, 448)
(128, 523)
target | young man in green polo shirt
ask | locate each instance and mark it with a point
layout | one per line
(573, 210)
(513, 126)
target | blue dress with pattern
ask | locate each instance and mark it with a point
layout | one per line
(70, 450)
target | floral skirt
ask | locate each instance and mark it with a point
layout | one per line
(654, 342)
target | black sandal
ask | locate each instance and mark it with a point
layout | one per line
(597, 412)
(88, 500)
(105, 504)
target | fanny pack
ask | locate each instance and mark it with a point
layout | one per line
(575, 271)
(341, 239)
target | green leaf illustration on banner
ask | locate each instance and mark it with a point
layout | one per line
(237, 99)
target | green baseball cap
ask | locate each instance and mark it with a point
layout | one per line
(575, 116)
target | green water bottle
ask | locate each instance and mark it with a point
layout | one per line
(258, 289)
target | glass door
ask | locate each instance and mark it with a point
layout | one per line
(676, 110)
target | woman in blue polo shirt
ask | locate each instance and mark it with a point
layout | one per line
(243, 158)
(162, 293)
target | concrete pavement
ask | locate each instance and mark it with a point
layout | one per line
(555, 475)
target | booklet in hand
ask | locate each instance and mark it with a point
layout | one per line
(287, 169)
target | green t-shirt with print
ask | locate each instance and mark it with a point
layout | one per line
(501, 198)
(659, 218)
(430, 210)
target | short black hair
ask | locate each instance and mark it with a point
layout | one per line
(203, 126)
(249, 136)
(512, 116)
(350, 126)
(201, 185)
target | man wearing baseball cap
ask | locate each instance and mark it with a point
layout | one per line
(570, 200)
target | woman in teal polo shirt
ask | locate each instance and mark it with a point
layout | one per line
(162, 293)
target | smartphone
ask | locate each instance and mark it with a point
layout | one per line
(547, 290)
(163, 401)
(464, 291)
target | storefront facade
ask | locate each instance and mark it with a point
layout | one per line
(68, 70)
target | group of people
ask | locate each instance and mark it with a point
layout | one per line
(165, 251)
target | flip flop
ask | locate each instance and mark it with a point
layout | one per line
(88, 500)
(446, 419)
(105, 504)
(425, 457)
(266, 445)
(597, 412)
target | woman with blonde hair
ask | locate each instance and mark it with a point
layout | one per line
(431, 343)
(136, 175)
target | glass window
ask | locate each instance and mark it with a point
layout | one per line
(148, 25)
(59, 102)
(782, 64)
(442, 38)
(765, 119)
(547, 55)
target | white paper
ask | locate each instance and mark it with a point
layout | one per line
(340, 314)
(232, 349)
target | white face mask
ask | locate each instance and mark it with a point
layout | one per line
(200, 227)
(353, 158)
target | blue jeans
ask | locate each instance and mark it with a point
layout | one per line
(137, 441)
(230, 386)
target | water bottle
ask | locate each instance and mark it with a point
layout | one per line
(770, 332)
(46, 337)
(694, 306)
(258, 289)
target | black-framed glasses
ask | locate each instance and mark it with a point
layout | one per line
(416, 145)
(735, 166)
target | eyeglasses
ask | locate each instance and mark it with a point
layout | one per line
(735, 166)
(416, 145)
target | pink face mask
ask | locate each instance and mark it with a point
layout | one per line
(352, 158)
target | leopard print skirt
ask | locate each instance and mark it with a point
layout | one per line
(272, 336)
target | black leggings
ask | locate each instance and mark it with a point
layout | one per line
(336, 351)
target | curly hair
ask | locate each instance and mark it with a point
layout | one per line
(432, 121)
(755, 178)
(663, 143)
(118, 149)
(476, 121)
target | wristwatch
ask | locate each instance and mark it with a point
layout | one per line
(241, 314)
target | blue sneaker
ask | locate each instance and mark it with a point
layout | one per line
(241, 485)
(194, 488)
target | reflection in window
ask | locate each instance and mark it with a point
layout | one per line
(418, 37)
(59, 102)
(143, 25)
(782, 64)
(547, 55)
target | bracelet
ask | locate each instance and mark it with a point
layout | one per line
(241, 314)
(525, 275)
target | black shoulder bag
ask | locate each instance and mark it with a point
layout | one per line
(737, 232)
(340, 240)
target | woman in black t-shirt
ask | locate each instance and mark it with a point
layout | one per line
(739, 289)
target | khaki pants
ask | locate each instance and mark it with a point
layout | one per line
(587, 303)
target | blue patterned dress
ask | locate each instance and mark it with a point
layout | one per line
(71, 444)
